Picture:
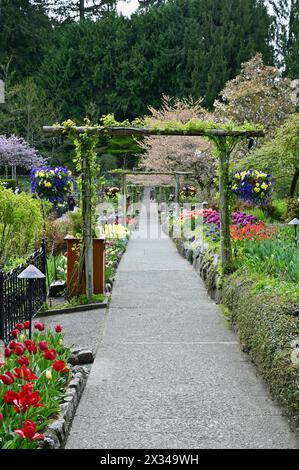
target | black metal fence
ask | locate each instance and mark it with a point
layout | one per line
(18, 300)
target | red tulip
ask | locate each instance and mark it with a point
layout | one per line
(14, 333)
(26, 325)
(23, 361)
(10, 397)
(12, 345)
(58, 328)
(1, 417)
(43, 345)
(50, 354)
(7, 352)
(60, 366)
(7, 378)
(19, 326)
(25, 373)
(31, 347)
(19, 349)
(28, 431)
(24, 399)
(39, 326)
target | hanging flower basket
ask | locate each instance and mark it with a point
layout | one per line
(253, 186)
(52, 184)
(187, 191)
(110, 193)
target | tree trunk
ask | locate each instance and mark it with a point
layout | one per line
(225, 239)
(87, 231)
(294, 183)
(82, 9)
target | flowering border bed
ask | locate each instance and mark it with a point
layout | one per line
(268, 328)
(33, 382)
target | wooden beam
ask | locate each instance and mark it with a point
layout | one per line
(142, 131)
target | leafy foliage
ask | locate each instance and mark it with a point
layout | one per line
(20, 224)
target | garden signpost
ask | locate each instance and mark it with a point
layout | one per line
(224, 138)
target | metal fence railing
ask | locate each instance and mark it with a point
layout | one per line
(18, 300)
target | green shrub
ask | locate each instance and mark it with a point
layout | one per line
(8, 184)
(21, 225)
(267, 324)
(293, 209)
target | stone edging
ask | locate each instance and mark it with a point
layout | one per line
(57, 432)
(205, 263)
(76, 308)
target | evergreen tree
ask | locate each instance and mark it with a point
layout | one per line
(285, 33)
(144, 4)
(23, 34)
(76, 9)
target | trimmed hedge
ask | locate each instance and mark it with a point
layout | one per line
(267, 324)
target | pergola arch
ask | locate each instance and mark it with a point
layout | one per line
(224, 139)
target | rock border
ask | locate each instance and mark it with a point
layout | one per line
(57, 431)
(206, 263)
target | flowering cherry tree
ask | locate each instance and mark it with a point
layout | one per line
(172, 153)
(15, 151)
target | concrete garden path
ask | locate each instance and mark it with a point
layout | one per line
(169, 373)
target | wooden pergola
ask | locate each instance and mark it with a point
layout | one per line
(225, 139)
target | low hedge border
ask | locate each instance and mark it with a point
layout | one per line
(267, 324)
(268, 328)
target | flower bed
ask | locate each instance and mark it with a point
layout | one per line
(33, 380)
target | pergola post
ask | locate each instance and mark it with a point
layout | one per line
(177, 188)
(225, 239)
(87, 226)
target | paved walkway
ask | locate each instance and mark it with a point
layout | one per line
(169, 373)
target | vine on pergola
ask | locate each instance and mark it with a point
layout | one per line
(223, 136)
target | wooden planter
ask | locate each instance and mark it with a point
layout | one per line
(76, 279)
